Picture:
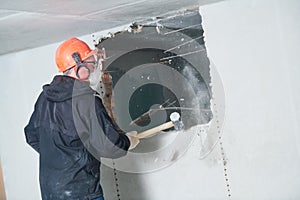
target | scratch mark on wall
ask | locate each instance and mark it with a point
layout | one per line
(181, 55)
(115, 8)
(183, 44)
(177, 30)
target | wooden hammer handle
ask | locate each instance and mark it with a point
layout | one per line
(155, 130)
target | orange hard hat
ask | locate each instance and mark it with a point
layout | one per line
(64, 59)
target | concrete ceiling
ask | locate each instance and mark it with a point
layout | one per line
(33, 23)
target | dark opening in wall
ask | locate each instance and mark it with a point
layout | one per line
(158, 67)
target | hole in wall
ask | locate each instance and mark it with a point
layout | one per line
(159, 67)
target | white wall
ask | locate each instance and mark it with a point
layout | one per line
(254, 45)
(21, 82)
(23, 75)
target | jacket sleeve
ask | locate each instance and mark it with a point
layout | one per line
(116, 144)
(97, 131)
(31, 133)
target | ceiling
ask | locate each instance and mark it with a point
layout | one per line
(33, 23)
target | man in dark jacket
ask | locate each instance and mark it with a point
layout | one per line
(71, 130)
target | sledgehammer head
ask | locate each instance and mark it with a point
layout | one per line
(175, 118)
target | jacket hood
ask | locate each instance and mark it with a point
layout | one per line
(63, 88)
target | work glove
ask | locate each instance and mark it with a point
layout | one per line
(134, 141)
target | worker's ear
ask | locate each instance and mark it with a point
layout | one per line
(83, 73)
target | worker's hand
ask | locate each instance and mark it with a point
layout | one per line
(134, 141)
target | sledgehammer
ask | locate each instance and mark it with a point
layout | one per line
(178, 125)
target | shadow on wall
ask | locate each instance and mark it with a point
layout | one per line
(156, 68)
(2, 191)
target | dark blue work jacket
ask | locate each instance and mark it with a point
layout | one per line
(71, 131)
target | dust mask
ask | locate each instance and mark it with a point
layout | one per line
(95, 77)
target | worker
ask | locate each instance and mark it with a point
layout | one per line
(71, 130)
